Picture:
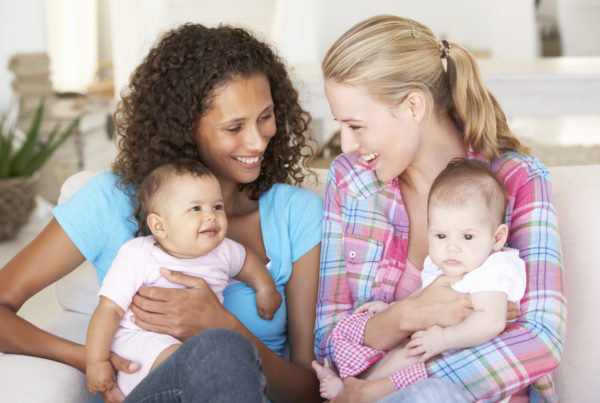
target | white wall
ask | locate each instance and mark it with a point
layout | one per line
(22, 29)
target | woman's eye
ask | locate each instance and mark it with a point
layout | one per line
(468, 237)
(234, 129)
(266, 117)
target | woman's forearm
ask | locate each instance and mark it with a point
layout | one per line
(288, 381)
(25, 338)
(389, 328)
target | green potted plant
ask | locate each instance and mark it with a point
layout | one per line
(19, 164)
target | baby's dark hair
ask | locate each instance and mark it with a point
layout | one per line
(151, 187)
(466, 179)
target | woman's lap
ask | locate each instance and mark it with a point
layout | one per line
(217, 365)
(431, 390)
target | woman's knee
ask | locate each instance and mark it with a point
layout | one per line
(221, 344)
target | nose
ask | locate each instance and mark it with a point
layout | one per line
(349, 143)
(209, 215)
(254, 139)
(453, 247)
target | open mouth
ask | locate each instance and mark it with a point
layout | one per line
(210, 232)
(248, 161)
(369, 158)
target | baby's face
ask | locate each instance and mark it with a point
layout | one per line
(460, 238)
(193, 215)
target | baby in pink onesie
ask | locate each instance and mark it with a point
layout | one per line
(180, 203)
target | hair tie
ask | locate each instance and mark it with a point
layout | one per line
(445, 48)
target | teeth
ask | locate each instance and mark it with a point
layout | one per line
(369, 157)
(251, 160)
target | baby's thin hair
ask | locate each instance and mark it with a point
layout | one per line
(152, 185)
(466, 179)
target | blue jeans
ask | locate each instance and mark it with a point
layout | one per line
(431, 390)
(217, 365)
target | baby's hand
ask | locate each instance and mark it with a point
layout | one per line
(372, 307)
(427, 343)
(100, 376)
(268, 300)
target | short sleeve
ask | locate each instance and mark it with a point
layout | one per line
(234, 253)
(126, 275)
(306, 213)
(503, 271)
(98, 219)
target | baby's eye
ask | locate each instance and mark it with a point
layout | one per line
(468, 237)
(218, 207)
(354, 127)
(195, 208)
(440, 236)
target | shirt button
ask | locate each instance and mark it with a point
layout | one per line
(352, 254)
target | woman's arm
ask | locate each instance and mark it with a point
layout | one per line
(183, 313)
(437, 304)
(49, 257)
(334, 299)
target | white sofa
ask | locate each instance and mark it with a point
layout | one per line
(577, 198)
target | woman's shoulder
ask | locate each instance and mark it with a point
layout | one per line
(282, 193)
(516, 169)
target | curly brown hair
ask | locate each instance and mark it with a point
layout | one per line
(159, 113)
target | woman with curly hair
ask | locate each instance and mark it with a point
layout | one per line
(219, 96)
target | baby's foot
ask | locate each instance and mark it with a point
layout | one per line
(330, 384)
(325, 370)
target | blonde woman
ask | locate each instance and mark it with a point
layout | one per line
(407, 104)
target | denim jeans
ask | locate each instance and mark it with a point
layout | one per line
(431, 390)
(217, 365)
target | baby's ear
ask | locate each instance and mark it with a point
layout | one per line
(500, 236)
(156, 226)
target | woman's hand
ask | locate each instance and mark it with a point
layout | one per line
(114, 394)
(513, 311)
(439, 304)
(181, 313)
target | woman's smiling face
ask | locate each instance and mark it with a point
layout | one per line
(385, 137)
(234, 133)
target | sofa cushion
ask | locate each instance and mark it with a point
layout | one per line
(576, 192)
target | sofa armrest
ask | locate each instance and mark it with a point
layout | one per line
(37, 380)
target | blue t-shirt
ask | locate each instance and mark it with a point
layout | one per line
(98, 218)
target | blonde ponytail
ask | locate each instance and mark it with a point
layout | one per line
(392, 56)
(484, 123)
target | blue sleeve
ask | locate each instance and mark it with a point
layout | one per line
(98, 219)
(305, 217)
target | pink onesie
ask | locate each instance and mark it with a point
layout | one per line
(138, 263)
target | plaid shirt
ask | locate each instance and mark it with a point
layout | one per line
(364, 249)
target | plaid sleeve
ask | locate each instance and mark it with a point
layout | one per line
(530, 348)
(334, 298)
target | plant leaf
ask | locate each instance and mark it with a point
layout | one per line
(26, 153)
(47, 150)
